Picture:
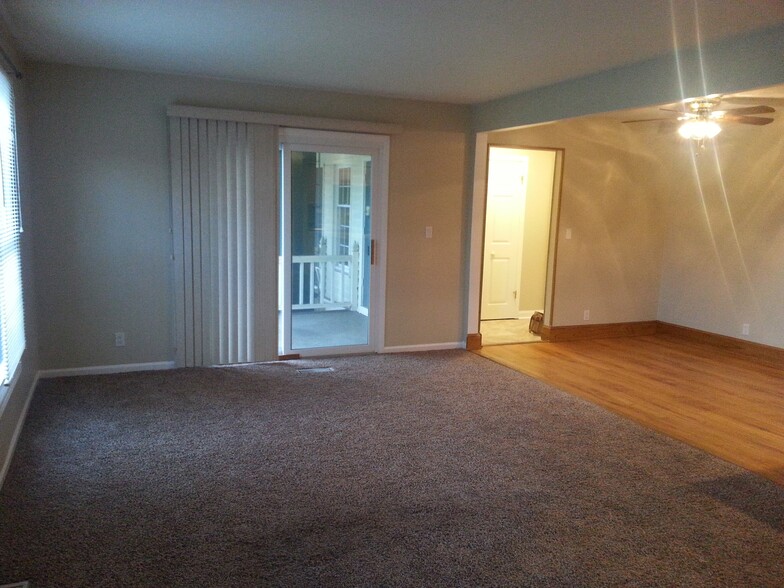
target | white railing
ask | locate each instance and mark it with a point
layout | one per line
(324, 281)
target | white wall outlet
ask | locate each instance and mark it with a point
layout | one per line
(586, 315)
(119, 339)
(428, 232)
(568, 233)
(745, 329)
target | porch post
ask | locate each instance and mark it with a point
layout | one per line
(355, 276)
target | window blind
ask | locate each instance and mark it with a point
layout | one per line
(11, 306)
(224, 212)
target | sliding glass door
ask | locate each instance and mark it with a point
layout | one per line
(329, 283)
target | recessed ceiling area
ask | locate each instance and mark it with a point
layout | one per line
(457, 51)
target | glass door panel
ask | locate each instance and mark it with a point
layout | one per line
(327, 203)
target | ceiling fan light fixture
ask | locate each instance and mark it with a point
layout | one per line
(699, 129)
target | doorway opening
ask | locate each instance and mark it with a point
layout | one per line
(333, 207)
(518, 217)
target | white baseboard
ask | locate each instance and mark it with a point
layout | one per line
(424, 347)
(94, 370)
(17, 430)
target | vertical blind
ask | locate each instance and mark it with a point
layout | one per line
(224, 206)
(11, 305)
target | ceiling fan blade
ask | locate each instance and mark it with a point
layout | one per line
(678, 110)
(666, 127)
(748, 120)
(754, 100)
(649, 120)
(761, 109)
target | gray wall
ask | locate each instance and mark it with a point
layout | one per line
(102, 192)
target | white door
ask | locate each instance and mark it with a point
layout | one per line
(332, 235)
(506, 184)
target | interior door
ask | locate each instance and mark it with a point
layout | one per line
(333, 208)
(506, 183)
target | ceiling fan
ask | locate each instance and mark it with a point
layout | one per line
(699, 118)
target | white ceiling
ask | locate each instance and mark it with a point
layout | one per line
(461, 51)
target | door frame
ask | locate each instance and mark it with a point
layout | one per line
(377, 146)
(477, 243)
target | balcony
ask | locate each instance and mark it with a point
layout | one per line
(325, 301)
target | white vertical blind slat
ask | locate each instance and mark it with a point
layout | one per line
(187, 257)
(203, 238)
(175, 138)
(266, 166)
(196, 240)
(223, 270)
(250, 155)
(231, 241)
(242, 246)
(213, 339)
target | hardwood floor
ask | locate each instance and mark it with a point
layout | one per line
(699, 393)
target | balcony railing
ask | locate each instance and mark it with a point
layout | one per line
(324, 281)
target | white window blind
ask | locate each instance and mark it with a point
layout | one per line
(11, 307)
(224, 212)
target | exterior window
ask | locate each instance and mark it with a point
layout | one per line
(12, 336)
(343, 211)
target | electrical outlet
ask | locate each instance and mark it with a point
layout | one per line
(586, 315)
(745, 329)
(119, 339)
(568, 233)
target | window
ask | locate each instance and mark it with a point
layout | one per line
(12, 337)
(344, 211)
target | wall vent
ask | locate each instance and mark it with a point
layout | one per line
(313, 370)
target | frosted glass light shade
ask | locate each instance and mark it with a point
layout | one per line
(699, 129)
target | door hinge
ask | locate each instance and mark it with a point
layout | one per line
(514, 294)
(372, 252)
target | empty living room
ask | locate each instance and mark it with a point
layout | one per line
(415, 293)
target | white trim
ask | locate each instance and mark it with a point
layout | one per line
(424, 347)
(477, 233)
(283, 120)
(316, 352)
(8, 388)
(94, 370)
(17, 429)
(379, 229)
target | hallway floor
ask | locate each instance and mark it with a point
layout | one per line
(506, 331)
